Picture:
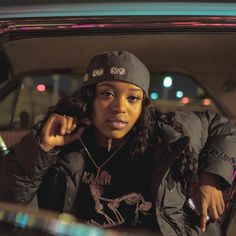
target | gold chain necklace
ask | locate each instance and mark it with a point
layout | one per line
(98, 168)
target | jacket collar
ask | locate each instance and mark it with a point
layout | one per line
(169, 134)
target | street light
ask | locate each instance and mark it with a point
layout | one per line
(179, 94)
(154, 96)
(167, 82)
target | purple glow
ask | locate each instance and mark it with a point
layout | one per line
(61, 27)
(184, 23)
(32, 28)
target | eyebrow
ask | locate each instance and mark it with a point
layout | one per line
(110, 85)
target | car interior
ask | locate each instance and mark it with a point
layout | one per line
(38, 71)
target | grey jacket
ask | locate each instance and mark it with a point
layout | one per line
(28, 170)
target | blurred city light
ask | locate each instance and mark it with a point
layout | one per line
(179, 94)
(41, 87)
(206, 102)
(154, 96)
(185, 100)
(167, 82)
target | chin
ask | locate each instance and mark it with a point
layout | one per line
(117, 135)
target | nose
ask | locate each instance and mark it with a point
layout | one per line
(119, 105)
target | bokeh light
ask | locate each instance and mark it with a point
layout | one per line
(167, 82)
(185, 100)
(41, 87)
(154, 95)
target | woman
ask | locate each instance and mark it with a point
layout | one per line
(105, 156)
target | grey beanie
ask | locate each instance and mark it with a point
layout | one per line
(115, 65)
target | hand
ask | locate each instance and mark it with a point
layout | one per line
(208, 198)
(60, 130)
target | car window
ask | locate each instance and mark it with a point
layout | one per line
(6, 110)
(172, 91)
(38, 93)
(169, 91)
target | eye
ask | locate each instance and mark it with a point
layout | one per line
(134, 99)
(107, 93)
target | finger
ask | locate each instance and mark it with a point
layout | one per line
(222, 203)
(220, 206)
(74, 136)
(74, 126)
(53, 125)
(219, 209)
(63, 127)
(69, 124)
(214, 213)
(203, 216)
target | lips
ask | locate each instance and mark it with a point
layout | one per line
(117, 123)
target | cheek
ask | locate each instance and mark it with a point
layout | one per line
(138, 109)
(135, 113)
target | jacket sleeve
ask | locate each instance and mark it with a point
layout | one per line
(217, 147)
(22, 170)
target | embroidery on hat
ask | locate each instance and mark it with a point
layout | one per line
(98, 72)
(117, 71)
(86, 77)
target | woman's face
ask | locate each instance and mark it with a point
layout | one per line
(116, 108)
